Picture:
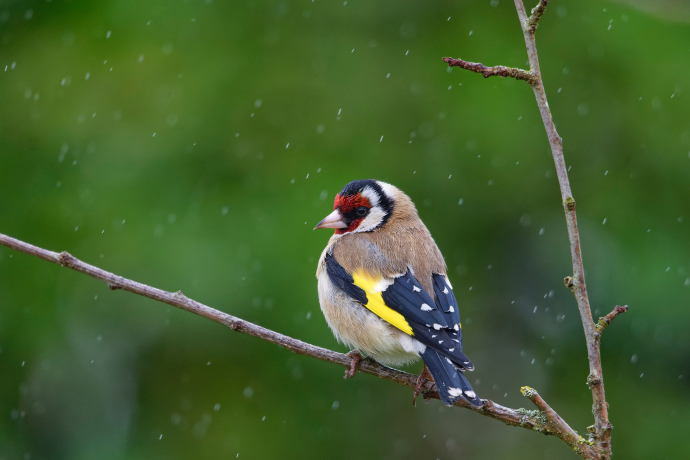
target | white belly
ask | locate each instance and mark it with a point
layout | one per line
(357, 327)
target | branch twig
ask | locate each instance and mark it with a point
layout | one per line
(605, 321)
(545, 422)
(554, 423)
(496, 71)
(537, 12)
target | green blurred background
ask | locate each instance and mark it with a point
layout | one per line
(194, 144)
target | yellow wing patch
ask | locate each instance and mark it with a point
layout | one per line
(375, 301)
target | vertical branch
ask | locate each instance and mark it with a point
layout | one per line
(602, 427)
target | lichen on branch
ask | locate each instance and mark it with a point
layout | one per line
(496, 71)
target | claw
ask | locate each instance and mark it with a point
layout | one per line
(425, 375)
(355, 357)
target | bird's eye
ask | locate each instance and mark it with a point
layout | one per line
(362, 211)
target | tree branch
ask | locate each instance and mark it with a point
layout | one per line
(542, 420)
(496, 71)
(555, 424)
(602, 428)
(537, 11)
(606, 320)
(602, 432)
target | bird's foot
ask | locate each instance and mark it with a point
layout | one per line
(425, 375)
(355, 357)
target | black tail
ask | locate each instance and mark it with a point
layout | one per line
(450, 381)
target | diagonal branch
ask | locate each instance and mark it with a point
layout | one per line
(554, 423)
(543, 420)
(496, 71)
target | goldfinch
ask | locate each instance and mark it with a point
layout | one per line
(384, 290)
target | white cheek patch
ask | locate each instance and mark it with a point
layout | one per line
(373, 220)
(376, 214)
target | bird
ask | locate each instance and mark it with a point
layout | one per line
(384, 290)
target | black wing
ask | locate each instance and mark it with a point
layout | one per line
(439, 327)
(343, 280)
(435, 323)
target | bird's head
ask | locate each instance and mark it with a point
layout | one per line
(361, 206)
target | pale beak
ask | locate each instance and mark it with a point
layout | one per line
(333, 220)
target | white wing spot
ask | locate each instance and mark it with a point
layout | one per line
(440, 341)
(456, 327)
(456, 340)
(451, 350)
(471, 394)
(416, 289)
(451, 309)
(449, 361)
(426, 307)
(434, 336)
(445, 290)
(455, 391)
(438, 326)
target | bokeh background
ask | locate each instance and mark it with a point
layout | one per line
(194, 144)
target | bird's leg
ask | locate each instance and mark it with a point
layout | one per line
(355, 357)
(425, 375)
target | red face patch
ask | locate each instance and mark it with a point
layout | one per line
(350, 203)
(348, 206)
